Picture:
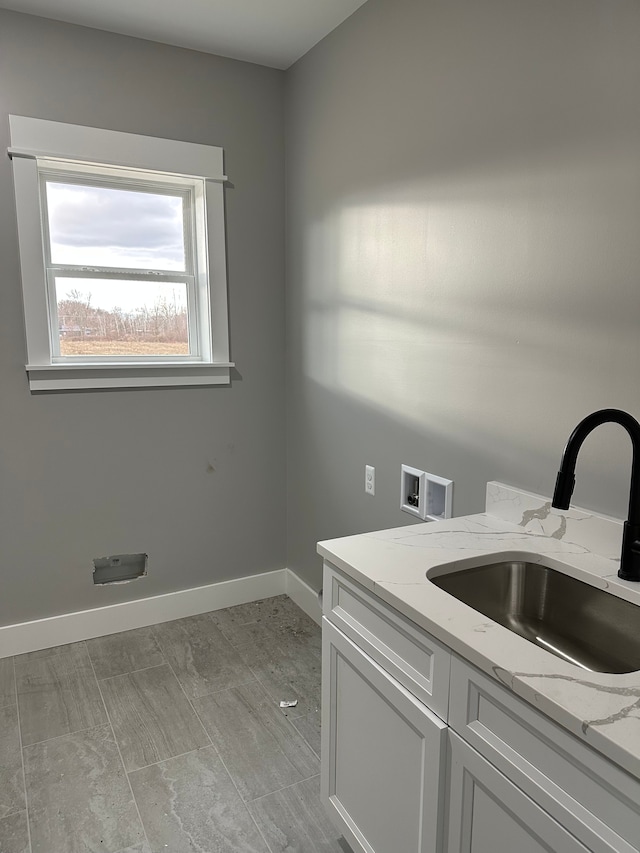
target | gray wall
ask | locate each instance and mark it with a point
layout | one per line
(463, 218)
(463, 208)
(194, 477)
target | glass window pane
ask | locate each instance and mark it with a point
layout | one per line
(106, 227)
(103, 317)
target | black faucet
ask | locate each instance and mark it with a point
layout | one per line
(630, 557)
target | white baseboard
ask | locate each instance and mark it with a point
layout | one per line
(85, 624)
(304, 596)
(99, 621)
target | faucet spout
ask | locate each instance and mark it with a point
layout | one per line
(630, 556)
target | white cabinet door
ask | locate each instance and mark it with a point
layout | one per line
(383, 755)
(489, 814)
(592, 798)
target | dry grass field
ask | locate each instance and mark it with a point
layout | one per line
(89, 347)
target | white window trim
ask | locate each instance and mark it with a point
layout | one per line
(33, 139)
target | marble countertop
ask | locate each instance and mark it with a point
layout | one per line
(601, 709)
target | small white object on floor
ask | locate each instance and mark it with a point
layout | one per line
(288, 703)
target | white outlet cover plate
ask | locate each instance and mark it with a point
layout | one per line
(370, 480)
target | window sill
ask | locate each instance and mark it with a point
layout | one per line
(79, 377)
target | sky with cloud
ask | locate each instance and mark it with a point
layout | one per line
(102, 226)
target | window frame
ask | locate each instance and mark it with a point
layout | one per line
(186, 189)
(41, 148)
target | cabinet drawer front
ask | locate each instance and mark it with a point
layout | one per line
(597, 801)
(489, 814)
(411, 656)
(383, 755)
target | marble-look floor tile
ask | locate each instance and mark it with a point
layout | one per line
(309, 728)
(52, 651)
(78, 794)
(288, 669)
(254, 611)
(295, 624)
(124, 652)
(247, 623)
(259, 746)
(295, 819)
(7, 683)
(151, 717)
(143, 847)
(202, 659)
(252, 632)
(11, 778)
(57, 693)
(14, 834)
(271, 617)
(300, 629)
(189, 803)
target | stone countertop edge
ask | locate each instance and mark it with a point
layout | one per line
(601, 709)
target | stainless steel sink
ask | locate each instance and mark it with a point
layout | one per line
(575, 621)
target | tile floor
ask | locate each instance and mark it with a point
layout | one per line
(168, 739)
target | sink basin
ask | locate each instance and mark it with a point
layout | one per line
(575, 621)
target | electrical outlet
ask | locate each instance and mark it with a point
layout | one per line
(370, 480)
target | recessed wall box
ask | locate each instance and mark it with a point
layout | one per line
(119, 568)
(413, 491)
(439, 498)
(425, 495)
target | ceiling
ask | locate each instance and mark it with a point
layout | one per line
(268, 32)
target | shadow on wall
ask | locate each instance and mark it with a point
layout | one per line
(509, 276)
(462, 227)
(448, 89)
(464, 329)
(342, 434)
(392, 316)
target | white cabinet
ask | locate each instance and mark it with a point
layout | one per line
(499, 778)
(383, 755)
(409, 655)
(594, 800)
(489, 814)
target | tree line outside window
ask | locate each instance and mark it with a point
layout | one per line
(164, 321)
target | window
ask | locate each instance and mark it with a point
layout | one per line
(123, 258)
